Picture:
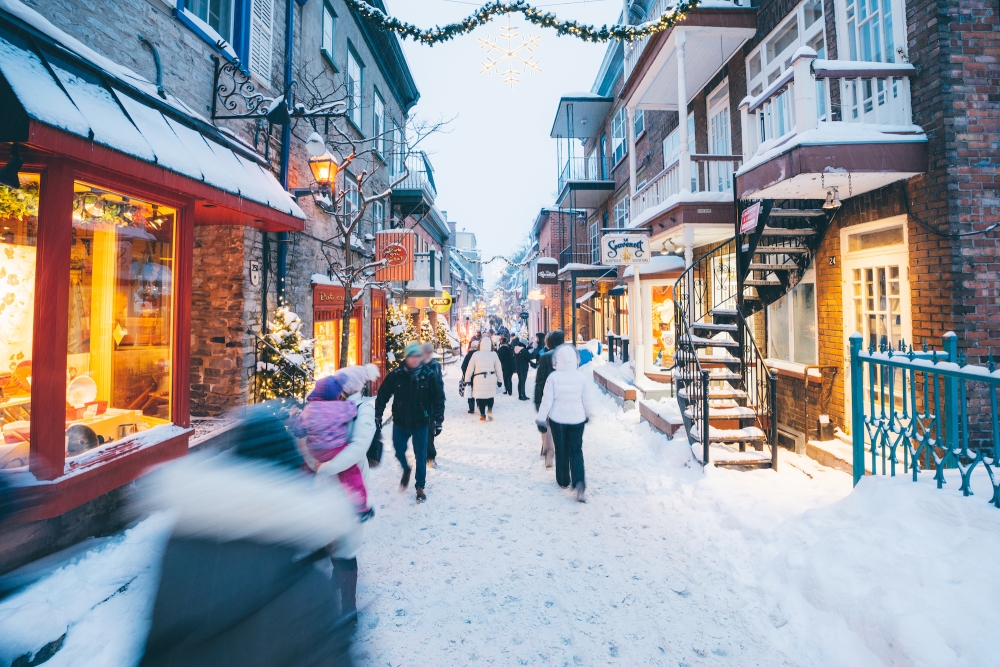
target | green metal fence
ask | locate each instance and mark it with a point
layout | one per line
(924, 411)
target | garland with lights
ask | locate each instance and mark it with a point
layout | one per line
(481, 262)
(431, 36)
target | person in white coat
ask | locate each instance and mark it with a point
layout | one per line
(566, 407)
(485, 374)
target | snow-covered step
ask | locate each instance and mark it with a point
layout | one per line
(715, 374)
(779, 250)
(746, 434)
(772, 267)
(780, 231)
(694, 392)
(708, 358)
(711, 326)
(724, 312)
(700, 341)
(797, 213)
(737, 412)
(762, 283)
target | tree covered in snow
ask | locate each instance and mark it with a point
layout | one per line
(399, 332)
(287, 362)
(427, 331)
(445, 339)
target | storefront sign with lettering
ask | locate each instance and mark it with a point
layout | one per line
(625, 249)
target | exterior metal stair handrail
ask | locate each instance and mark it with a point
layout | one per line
(298, 378)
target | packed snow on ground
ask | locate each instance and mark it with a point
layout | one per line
(664, 565)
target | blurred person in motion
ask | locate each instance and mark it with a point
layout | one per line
(521, 362)
(435, 367)
(483, 374)
(417, 405)
(239, 583)
(506, 356)
(344, 554)
(553, 340)
(566, 407)
(473, 348)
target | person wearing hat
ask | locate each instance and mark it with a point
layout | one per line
(417, 405)
(435, 367)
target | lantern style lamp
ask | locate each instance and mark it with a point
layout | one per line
(324, 169)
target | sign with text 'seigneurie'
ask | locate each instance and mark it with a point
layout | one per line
(625, 249)
(547, 271)
(395, 247)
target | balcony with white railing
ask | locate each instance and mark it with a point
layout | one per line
(584, 183)
(709, 181)
(830, 125)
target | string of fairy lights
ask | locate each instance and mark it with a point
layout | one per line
(483, 262)
(378, 19)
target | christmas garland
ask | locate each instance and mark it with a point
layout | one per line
(431, 36)
(472, 260)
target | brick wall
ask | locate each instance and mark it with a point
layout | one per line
(791, 405)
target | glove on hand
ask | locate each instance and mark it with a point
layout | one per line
(437, 430)
(542, 428)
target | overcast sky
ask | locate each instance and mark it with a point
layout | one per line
(497, 167)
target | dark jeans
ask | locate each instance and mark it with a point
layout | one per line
(472, 403)
(432, 452)
(521, 377)
(568, 439)
(400, 436)
(507, 384)
(347, 573)
(484, 405)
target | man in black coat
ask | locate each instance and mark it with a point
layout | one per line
(418, 403)
(521, 361)
(435, 367)
(553, 340)
(506, 356)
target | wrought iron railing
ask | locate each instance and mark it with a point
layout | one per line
(922, 411)
(273, 373)
(761, 385)
(617, 348)
(581, 169)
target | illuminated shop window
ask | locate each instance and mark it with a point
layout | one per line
(19, 227)
(121, 315)
(327, 349)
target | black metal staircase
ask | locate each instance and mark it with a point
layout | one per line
(725, 391)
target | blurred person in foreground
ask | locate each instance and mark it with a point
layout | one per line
(240, 583)
(566, 408)
(553, 340)
(435, 367)
(417, 404)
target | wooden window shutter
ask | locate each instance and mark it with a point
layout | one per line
(261, 43)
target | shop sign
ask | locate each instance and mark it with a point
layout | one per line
(441, 304)
(625, 249)
(255, 273)
(395, 248)
(547, 271)
(748, 221)
(524, 316)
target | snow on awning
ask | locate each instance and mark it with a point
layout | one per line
(59, 88)
(585, 298)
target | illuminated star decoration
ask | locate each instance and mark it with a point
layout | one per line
(515, 59)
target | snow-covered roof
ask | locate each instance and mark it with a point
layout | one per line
(657, 264)
(585, 298)
(78, 91)
(547, 260)
(573, 266)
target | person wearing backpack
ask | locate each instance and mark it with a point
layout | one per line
(326, 423)
(418, 403)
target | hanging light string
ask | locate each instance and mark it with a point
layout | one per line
(516, 265)
(606, 33)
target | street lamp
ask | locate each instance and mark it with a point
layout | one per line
(325, 168)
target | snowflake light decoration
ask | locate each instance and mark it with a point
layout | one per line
(515, 53)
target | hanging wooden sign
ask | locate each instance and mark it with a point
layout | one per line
(395, 247)
(547, 271)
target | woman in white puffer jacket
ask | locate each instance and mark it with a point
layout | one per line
(566, 407)
(485, 374)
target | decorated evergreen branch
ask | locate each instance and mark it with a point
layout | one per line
(445, 341)
(431, 36)
(399, 332)
(282, 370)
(426, 331)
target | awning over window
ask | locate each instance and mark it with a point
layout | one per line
(585, 298)
(52, 86)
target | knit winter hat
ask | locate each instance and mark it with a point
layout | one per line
(412, 349)
(354, 378)
(328, 388)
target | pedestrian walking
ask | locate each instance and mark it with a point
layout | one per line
(553, 340)
(537, 349)
(435, 366)
(521, 362)
(566, 407)
(473, 348)
(418, 402)
(506, 356)
(483, 374)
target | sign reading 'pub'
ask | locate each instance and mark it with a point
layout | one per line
(627, 249)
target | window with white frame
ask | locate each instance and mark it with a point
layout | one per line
(621, 212)
(595, 243)
(378, 124)
(329, 30)
(672, 149)
(791, 322)
(261, 36)
(640, 122)
(619, 147)
(218, 14)
(772, 58)
(378, 214)
(353, 82)
(398, 150)
(352, 196)
(718, 175)
(870, 30)
(602, 155)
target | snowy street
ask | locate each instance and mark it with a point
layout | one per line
(664, 564)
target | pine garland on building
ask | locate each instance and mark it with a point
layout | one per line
(379, 20)
(399, 332)
(281, 371)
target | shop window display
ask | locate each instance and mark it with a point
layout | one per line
(121, 314)
(662, 325)
(327, 348)
(19, 223)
